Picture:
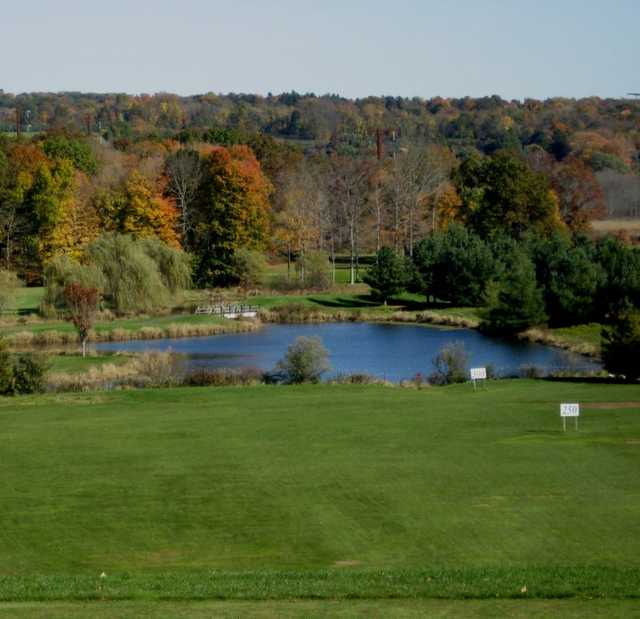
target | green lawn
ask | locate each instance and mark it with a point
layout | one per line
(74, 364)
(27, 300)
(580, 333)
(305, 609)
(321, 492)
(276, 272)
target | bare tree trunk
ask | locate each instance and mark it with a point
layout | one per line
(84, 347)
(333, 260)
(378, 221)
(396, 227)
(411, 216)
(302, 265)
(353, 252)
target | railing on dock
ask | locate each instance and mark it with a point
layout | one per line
(232, 310)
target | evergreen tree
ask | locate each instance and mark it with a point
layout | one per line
(389, 275)
(569, 278)
(620, 287)
(454, 265)
(621, 345)
(515, 303)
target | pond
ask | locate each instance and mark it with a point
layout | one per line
(390, 351)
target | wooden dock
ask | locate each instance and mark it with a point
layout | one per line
(232, 310)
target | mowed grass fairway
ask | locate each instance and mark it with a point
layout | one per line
(321, 492)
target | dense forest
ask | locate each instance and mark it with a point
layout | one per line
(293, 173)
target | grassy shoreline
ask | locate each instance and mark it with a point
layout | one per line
(345, 304)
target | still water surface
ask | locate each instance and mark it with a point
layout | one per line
(386, 350)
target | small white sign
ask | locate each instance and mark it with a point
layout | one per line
(478, 373)
(569, 410)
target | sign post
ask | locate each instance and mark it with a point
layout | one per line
(569, 410)
(478, 374)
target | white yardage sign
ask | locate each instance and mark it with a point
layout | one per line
(569, 410)
(478, 373)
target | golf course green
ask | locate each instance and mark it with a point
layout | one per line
(321, 492)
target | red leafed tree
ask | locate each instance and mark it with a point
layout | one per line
(82, 304)
(580, 194)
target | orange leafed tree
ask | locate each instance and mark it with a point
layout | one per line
(231, 211)
(147, 213)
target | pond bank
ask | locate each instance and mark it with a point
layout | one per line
(582, 340)
(575, 344)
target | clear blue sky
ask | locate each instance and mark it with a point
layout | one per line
(514, 48)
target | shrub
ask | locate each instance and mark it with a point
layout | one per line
(157, 368)
(29, 372)
(305, 361)
(281, 283)
(250, 267)
(450, 365)
(6, 370)
(316, 270)
(21, 374)
(9, 283)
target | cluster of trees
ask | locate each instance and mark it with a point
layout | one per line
(214, 174)
(554, 279)
(605, 131)
(59, 193)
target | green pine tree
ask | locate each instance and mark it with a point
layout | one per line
(515, 303)
(389, 275)
(621, 345)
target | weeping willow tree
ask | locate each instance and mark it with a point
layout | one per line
(132, 275)
(174, 265)
(140, 275)
(61, 271)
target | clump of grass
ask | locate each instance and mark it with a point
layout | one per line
(358, 378)
(26, 339)
(97, 378)
(149, 369)
(223, 377)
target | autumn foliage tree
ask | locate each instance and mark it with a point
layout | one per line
(82, 304)
(231, 212)
(147, 214)
(580, 194)
(501, 194)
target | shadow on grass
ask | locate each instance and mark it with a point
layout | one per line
(354, 302)
(369, 301)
